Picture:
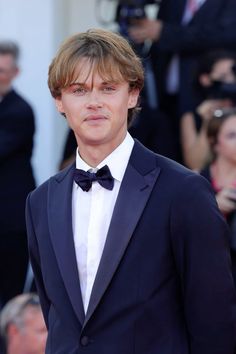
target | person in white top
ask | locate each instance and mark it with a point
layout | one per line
(127, 247)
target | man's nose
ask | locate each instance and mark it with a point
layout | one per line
(94, 100)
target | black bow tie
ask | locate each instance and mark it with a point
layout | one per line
(85, 179)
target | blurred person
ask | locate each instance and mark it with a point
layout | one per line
(221, 172)
(183, 30)
(120, 240)
(22, 325)
(215, 84)
(16, 176)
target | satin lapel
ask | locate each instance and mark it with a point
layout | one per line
(60, 225)
(132, 198)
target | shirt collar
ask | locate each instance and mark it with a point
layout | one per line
(117, 161)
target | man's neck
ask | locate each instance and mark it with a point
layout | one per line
(93, 155)
(5, 91)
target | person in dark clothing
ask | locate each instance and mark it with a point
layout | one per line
(183, 30)
(16, 175)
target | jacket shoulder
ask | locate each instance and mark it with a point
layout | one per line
(42, 190)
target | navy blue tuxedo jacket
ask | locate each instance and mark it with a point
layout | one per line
(164, 283)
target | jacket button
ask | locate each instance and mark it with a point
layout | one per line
(84, 341)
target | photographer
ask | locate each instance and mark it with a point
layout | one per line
(183, 31)
(221, 172)
(151, 126)
(215, 85)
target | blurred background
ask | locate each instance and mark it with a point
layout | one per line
(38, 27)
(188, 49)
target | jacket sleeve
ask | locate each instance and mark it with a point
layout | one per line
(35, 262)
(201, 250)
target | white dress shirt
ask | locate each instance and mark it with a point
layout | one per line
(91, 215)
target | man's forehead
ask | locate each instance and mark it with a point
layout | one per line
(31, 311)
(86, 70)
(6, 59)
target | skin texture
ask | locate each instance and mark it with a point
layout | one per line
(226, 146)
(30, 337)
(96, 111)
(145, 29)
(8, 72)
(195, 144)
(224, 168)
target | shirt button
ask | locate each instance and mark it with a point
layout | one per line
(84, 341)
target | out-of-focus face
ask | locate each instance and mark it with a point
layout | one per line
(223, 71)
(226, 142)
(8, 72)
(30, 337)
(96, 109)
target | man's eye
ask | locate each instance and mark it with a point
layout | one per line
(231, 135)
(109, 88)
(79, 90)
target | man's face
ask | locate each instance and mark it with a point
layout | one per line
(97, 109)
(31, 337)
(226, 140)
(223, 71)
(8, 71)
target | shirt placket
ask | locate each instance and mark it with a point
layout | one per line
(94, 237)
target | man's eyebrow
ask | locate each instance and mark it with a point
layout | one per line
(77, 84)
(103, 83)
(110, 82)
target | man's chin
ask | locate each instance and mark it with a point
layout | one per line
(4, 90)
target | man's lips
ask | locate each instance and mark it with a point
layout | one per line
(95, 117)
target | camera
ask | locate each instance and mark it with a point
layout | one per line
(130, 10)
(222, 90)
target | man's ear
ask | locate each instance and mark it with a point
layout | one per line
(12, 330)
(133, 98)
(16, 72)
(59, 104)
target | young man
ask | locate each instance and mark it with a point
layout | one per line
(131, 256)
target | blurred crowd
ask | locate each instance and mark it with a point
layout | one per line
(188, 114)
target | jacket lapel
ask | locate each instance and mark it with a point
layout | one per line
(135, 190)
(60, 225)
